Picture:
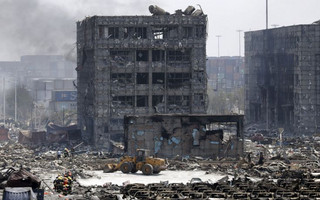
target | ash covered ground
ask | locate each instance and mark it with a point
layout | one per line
(289, 171)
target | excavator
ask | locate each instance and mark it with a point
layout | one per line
(142, 161)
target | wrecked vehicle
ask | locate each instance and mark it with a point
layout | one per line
(142, 161)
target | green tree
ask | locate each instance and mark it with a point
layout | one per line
(24, 103)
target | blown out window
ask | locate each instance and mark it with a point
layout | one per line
(142, 101)
(122, 100)
(179, 100)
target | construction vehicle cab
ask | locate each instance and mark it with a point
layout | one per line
(142, 154)
(142, 161)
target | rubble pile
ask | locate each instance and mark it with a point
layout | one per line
(290, 170)
(17, 155)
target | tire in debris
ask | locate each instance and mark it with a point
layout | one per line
(156, 171)
(134, 169)
(147, 169)
(126, 167)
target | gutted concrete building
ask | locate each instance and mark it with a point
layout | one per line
(139, 65)
(283, 78)
(169, 135)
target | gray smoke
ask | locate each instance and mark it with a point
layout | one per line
(28, 27)
(41, 27)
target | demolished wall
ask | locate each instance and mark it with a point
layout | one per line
(185, 135)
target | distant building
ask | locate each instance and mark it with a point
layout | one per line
(55, 94)
(44, 76)
(139, 65)
(283, 78)
(225, 73)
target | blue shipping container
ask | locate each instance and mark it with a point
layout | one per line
(66, 95)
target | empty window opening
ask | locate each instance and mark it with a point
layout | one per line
(120, 57)
(200, 31)
(122, 100)
(106, 128)
(165, 32)
(142, 78)
(176, 80)
(156, 99)
(297, 79)
(108, 32)
(135, 32)
(187, 32)
(179, 55)
(179, 100)
(171, 32)
(113, 32)
(157, 33)
(157, 78)
(101, 31)
(122, 78)
(142, 55)
(158, 55)
(224, 130)
(142, 101)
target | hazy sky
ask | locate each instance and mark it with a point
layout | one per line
(49, 26)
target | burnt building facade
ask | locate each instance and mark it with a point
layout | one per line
(139, 65)
(283, 78)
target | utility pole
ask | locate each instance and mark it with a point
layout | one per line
(15, 99)
(218, 36)
(4, 101)
(239, 31)
(267, 14)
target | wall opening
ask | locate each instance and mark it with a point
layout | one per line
(142, 55)
(158, 55)
(176, 80)
(108, 32)
(179, 55)
(120, 57)
(122, 78)
(169, 32)
(156, 99)
(142, 101)
(122, 101)
(142, 78)
(157, 33)
(200, 31)
(157, 78)
(187, 32)
(179, 100)
(135, 32)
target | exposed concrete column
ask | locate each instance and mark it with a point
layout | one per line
(150, 109)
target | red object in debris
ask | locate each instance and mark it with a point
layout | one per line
(257, 137)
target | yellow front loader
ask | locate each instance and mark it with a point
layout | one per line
(142, 161)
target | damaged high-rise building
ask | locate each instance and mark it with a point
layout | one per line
(283, 78)
(139, 65)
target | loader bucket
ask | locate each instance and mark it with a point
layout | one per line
(110, 168)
